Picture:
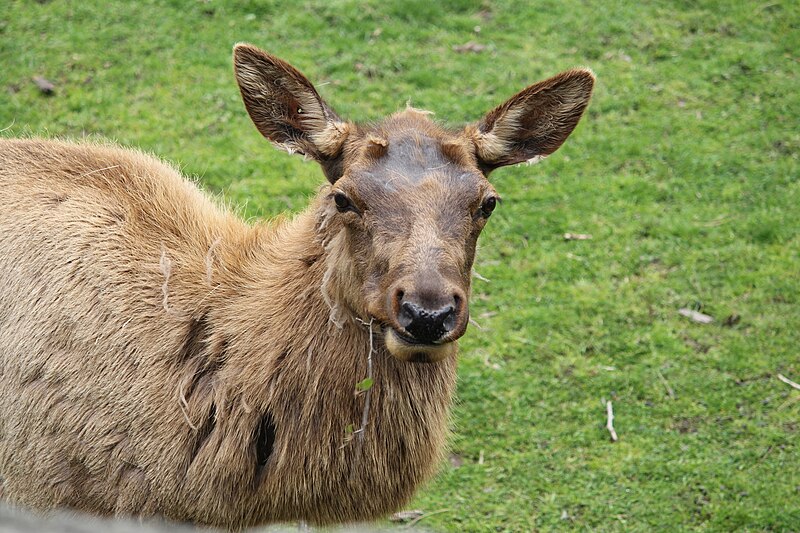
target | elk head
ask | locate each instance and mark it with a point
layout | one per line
(408, 198)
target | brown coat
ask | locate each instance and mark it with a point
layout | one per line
(159, 356)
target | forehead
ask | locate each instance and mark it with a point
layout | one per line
(408, 152)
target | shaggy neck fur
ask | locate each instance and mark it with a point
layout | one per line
(284, 385)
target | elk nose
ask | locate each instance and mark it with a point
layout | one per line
(427, 325)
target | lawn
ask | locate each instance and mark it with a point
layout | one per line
(684, 171)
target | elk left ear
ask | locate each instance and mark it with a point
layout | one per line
(533, 123)
(287, 109)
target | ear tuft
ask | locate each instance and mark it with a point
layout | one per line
(533, 123)
(376, 147)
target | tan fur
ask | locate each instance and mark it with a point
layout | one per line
(159, 356)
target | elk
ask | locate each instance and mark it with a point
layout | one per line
(159, 356)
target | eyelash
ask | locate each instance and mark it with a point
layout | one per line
(343, 203)
(488, 206)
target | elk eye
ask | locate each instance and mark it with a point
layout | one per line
(343, 203)
(488, 206)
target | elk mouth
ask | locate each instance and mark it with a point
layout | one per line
(408, 349)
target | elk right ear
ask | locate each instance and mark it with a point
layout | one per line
(533, 123)
(287, 109)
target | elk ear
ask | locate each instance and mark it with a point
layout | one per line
(287, 109)
(533, 123)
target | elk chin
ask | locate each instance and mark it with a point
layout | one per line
(417, 353)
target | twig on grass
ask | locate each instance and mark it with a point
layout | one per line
(789, 381)
(696, 316)
(426, 515)
(666, 384)
(577, 236)
(406, 516)
(610, 421)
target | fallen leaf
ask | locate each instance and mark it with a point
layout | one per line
(44, 85)
(469, 47)
(696, 316)
(406, 516)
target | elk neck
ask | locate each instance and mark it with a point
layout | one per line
(289, 313)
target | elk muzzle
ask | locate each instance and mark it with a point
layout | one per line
(424, 323)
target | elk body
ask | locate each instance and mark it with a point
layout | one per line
(161, 357)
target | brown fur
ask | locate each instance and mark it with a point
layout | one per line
(158, 356)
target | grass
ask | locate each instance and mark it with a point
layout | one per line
(684, 171)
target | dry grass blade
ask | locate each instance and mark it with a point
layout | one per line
(577, 236)
(406, 516)
(666, 384)
(426, 515)
(610, 421)
(696, 316)
(789, 381)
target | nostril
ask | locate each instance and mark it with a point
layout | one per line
(408, 313)
(449, 319)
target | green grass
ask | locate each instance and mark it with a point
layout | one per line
(684, 170)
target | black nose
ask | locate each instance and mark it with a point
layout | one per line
(426, 325)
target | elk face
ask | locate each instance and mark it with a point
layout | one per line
(407, 198)
(413, 202)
